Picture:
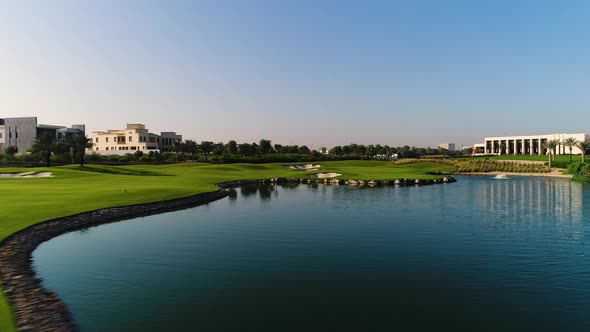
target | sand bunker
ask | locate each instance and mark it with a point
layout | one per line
(326, 175)
(306, 167)
(27, 175)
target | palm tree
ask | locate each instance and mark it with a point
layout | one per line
(570, 142)
(44, 145)
(583, 146)
(191, 147)
(177, 146)
(550, 146)
(79, 143)
(206, 147)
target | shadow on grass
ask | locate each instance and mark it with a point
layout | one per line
(119, 171)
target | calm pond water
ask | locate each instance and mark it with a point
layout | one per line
(476, 255)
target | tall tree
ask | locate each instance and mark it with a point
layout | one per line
(206, 148)
(303, 150)
(550, 146)
(44, 145)
(177, 146)
(191, 147)
(555, 143)
(583, 146)
(371, 151)
(570, 142)
(337, 151)
(264, 146)
(79, 143)
(218, 149)
(231, 147)
(245, 149)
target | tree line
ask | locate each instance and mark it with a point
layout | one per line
(570, 142)
(46, 150)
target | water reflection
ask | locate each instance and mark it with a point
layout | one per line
(233, 194)
(265, 191)
(515, 199)
(249, 190)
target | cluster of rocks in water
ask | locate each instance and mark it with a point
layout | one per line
(371, 183)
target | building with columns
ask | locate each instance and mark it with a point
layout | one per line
(526, 145)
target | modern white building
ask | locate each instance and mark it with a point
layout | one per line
(526, 145)
(135, 137)
(23, 131)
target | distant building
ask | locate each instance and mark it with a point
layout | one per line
(22, 132)
(447, 146)
(526, 145)
(135, 137)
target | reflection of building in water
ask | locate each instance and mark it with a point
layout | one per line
(521, 199)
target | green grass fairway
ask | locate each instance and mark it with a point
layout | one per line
(73, 189)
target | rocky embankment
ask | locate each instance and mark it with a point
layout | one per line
(371, 183)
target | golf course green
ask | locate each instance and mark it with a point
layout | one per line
(74, 189)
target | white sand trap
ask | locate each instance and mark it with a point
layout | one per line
(306, 167)
(326, 175)
(27, 175)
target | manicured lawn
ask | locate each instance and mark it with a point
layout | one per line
(558, 158)
(381, 170)
(74, 189)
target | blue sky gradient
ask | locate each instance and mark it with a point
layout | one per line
(301, 72)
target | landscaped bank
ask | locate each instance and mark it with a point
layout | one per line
(74, 190)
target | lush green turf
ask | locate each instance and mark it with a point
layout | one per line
(558, 158)
(381, 170)
(74, 189)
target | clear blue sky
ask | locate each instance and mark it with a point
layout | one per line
(307, 72)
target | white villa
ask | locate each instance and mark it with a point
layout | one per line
(526, 145)
(134, 138)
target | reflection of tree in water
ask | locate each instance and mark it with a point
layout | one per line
(249, 190)
(265, 191)
(233, 194)
(289, 185)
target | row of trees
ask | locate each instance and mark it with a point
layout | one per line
(263, 147)
(570, 142)
(45, 145)
(379, 151)
(263, 151)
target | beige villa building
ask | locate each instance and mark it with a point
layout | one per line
(131, 139)
(526, 145)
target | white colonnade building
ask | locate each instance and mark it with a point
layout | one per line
(527, 145)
